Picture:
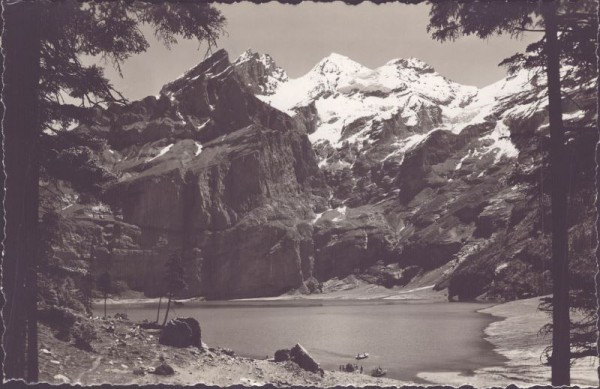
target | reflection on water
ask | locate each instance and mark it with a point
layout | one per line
(404, 338)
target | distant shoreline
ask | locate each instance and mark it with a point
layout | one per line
(366, 292)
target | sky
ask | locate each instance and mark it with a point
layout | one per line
(299, 36)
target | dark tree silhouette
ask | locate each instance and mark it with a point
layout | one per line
(43, 44)
(87, 288)
(104, 284)
(174, 279)
(563, 25)
(21, 49)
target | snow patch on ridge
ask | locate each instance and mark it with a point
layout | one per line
(162, 152)
(201, 126)
(198, 149)
(501, 144)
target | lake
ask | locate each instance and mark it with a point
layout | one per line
(403, 337)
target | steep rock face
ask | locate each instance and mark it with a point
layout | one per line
(209, 169)
(253, 259)
(347, 241)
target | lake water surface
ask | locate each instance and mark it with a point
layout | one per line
(403, 337)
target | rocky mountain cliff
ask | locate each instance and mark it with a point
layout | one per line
(268, 184)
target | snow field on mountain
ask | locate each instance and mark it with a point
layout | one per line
(347, 95)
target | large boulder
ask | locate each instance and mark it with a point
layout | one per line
(302, 358)
(181, 332)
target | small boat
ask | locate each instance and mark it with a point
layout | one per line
(379, 372)
(362, 356)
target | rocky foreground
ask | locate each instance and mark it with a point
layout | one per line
(124, 354)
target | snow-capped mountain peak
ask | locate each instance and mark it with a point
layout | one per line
(411, 63)
(388, 111)
(353, 102)
(338, 64)
(260, 72)
(247, 55)
(265, 59)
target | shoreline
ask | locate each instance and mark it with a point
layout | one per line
(487, 356)
(515, 336)
(511, 332)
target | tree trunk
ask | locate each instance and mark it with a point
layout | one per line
(158, 312)
(32, 330)
(105, 296)
(598, 209)
(168, 307)
(21, 44)
(560, 263)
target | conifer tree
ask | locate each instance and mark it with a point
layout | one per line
(104, 284)
(43, 44)
(568, 30)
(174, 279)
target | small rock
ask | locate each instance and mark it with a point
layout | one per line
(55, 362)
(45, 351)
(282, 355)
(62, 378)
(121, 316)
(139, 371)
(124, 366)
(164, 369)
(228, 351)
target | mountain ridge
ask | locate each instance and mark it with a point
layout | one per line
(420, 180)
